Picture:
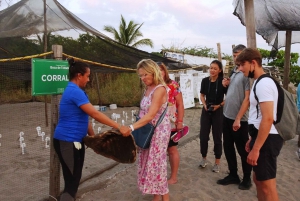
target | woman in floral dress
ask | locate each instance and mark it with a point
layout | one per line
(152, 162)
(176, 112)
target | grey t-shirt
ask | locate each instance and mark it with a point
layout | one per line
(235, 95)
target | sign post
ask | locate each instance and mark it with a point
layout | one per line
(49, 77)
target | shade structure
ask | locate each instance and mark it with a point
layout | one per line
(273, 19)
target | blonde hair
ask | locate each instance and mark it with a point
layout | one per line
(152, 68)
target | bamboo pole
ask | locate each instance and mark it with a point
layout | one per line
(287, 59)
(250, 23)
(219, 52)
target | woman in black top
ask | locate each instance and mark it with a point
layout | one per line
(212, 96)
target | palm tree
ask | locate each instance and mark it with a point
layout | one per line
(128, 35)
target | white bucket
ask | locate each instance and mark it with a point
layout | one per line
(113, 106)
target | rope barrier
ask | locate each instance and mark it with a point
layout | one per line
(26, 57)
(98, 64)
(83, 60)
(120, 68)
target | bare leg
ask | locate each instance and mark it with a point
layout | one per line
(165, 197)
(217, 161)
(156, 198)
(266, 190)
(174, 163)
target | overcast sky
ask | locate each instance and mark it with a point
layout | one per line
(180, 23)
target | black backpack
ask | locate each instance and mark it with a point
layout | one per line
(287, 123)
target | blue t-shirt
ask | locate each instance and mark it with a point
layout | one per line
(73, 121)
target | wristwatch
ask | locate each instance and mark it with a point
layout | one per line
(131, 127)
(220, 105)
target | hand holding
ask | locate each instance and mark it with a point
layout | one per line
(179, 125)
(226, 82)
(125, 130)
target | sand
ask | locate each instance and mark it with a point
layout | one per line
(26, 177)
(196, 184)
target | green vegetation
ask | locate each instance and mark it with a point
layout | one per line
(122, 89)
(277, 59)
(129, 34)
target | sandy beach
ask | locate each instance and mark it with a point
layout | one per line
(26, 177)
(196, 184)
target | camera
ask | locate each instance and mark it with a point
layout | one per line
(209, 107)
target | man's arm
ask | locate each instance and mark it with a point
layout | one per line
(244, 107)
(263, 131)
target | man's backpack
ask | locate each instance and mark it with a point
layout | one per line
(287, 122)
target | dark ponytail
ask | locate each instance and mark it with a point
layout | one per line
(76, 67)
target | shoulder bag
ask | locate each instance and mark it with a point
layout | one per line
(143, 135)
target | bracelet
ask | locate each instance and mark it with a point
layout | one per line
(131, 127)
(179, 121)
(220, 105)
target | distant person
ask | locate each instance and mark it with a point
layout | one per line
(235, 125)
(152, 162)
(212, 96)
(176, 115)
(265, 143)
(73, 125)
(298, 105)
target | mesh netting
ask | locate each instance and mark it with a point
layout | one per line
(272, 19)
(24, 172)
(26, 18)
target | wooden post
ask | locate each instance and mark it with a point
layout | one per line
(45, 26)
(98, 89)
(45, 50)
(287, 59)
(54, 180)
(250, 23)
(233, 46)
(219, 52)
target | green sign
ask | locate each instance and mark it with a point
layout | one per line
(49, 76)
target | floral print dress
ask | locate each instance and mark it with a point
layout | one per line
(152, 162)
(174, 91)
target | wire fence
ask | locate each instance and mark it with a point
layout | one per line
(25, 134)
(25, 137)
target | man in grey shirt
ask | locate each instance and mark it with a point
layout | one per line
(235, 125)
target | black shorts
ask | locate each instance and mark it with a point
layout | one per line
(171, 142)
(267, 161)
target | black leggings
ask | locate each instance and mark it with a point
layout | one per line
(71, 161)
(212, 120)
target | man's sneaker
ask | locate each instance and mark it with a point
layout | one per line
(245, 184)
(203, 163)
(229, 180)
(216, 168)
(298, 154)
